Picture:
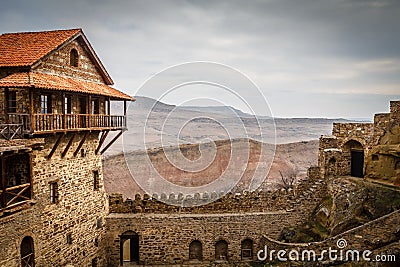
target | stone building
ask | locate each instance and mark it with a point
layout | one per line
(370, 150)
(55, 116)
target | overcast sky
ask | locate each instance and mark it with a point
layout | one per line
(309, 58)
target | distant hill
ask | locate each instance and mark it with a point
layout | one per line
(153, 123)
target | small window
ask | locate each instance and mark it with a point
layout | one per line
(99, 223)
(12, 102)
(73, 58)
(45, 103)
(53, 192)
(67, 105)
(375, 157)
(69, 238)
(96, 184)
(95, 106)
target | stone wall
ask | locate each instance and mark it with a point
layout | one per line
(79, 211)
(166, 231)
(378, 236)
(59, 63)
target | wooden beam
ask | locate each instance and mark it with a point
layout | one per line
(90, 111)
(68, 145)
(6, 99)
(111, 142)
(64, 124)
(102, 139)
(55, 146)
(81, 144)
(32, 109)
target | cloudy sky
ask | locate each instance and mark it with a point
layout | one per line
(336, 58)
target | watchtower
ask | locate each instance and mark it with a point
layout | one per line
(55, 115)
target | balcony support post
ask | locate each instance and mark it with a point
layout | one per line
(102, 139)
(64, 124)
(32, 110)
(111, 142)
(55, 146)
(68, 145)
(81, 144)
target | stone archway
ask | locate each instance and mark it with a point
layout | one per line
(129, 247)
(353, 155)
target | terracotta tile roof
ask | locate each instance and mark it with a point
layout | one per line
(25, 48)
(53, 82)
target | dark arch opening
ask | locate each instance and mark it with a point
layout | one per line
(129, 247)
(73, 57)
(27, 252)
(196, 250)
(221, 250)
(247, 249)
(354, 154)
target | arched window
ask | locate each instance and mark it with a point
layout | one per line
(221, 250)
(196, 250)
(27, 252)
(73, 58)
(247, 249)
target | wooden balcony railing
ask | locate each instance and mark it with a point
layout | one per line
(12, 196)
(20, 124)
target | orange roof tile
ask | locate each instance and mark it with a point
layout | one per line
(53, 82)
(25, 48)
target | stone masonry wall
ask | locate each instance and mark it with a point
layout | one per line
(59, 64)
(378, 236)
(165, 231)
(80, 210)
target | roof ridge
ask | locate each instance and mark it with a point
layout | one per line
(45, 31)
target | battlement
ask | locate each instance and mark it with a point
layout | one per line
(307, 190)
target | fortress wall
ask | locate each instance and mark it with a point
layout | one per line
(166, 238)
(166, 231)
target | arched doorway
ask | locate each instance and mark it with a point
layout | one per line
(247, 249)
(354, 155)
(129, 247)
(196, 250)
(221, 250)
(27, 252)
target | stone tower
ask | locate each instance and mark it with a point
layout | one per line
(55, 116)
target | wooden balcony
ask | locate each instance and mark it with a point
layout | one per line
(16, 125)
